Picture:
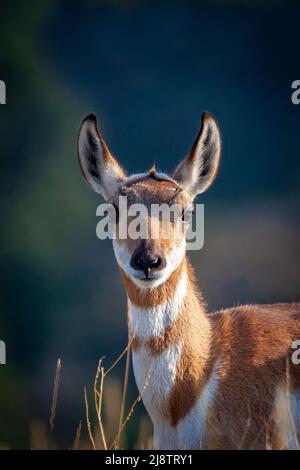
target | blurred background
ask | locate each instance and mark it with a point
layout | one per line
(147, 69)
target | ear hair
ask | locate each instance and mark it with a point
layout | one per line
(99, 168)
(199, 168)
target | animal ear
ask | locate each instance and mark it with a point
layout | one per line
(199, 168)
(100, 169)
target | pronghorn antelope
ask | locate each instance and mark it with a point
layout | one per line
(218, 381)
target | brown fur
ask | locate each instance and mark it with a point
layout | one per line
(254, 344)
(149, 190)
(250, 346)
(251, 343)
(151, 297)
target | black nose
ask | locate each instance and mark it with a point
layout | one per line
(145, 261)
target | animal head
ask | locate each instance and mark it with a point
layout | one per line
(149, 259)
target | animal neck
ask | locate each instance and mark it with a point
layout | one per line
(172, 338)
(172, 313)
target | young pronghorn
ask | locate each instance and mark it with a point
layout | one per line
(220, 381)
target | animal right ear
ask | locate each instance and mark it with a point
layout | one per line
(100, 169)
(199, 168)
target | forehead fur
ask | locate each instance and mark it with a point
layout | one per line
(153, 188)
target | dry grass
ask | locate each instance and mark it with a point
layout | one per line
(106, 419)
(55, 395)
(105, 437)
(77, 437)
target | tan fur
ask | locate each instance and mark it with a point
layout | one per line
(144, 298)
(254, 342)
(236, 362)
(149, 190)
(251, 342)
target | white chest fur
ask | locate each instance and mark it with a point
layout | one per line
(192, 429)
(151, 322)
(190, 432)
(161, 369)
(158, 372)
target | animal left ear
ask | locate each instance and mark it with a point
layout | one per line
(199, 168)
(99, 168)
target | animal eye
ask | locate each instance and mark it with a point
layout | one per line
(187, 215)
(116, 212)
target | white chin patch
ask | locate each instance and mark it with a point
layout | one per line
(159, 277)
(149, 283)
